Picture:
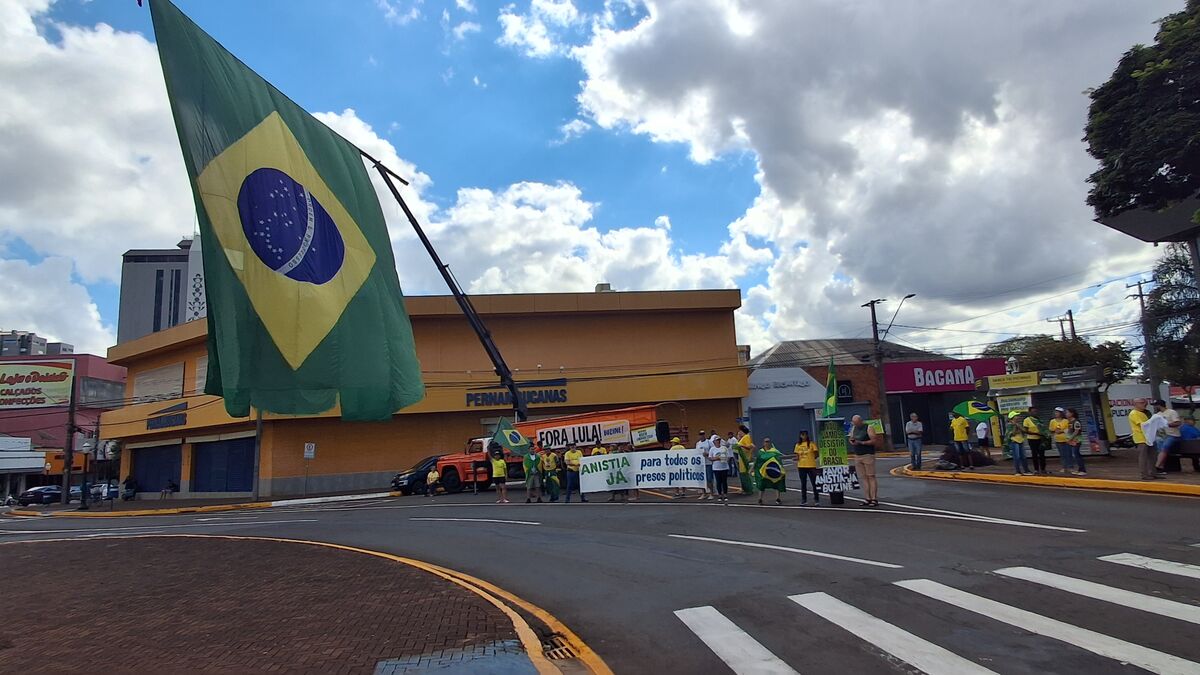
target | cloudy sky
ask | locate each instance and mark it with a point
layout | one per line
(813, 153)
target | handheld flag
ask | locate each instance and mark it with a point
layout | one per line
(510, 438)
(304, 307)
(830, 392)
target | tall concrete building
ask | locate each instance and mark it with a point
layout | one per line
(160, 288)
(27, 343)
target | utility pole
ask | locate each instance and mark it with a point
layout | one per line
(1071, 322)
(878, 360)
(69, 446)
(1061, 326)
(1147, 355)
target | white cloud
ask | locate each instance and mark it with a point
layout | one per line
(43, 298)
(89, 146)
(538, 32)
(573, 129)
(399, 12)
(462, 30)
(477, 82)
(465, 5)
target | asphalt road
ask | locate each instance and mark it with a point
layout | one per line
(672, 586)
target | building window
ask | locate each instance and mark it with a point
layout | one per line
(201, 374)
(176, 288)
(158, 293)
(158, 384)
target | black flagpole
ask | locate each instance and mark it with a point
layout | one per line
(464, 302)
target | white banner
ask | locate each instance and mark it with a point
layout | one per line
(644, 436)
(648, 469)
(584, 435)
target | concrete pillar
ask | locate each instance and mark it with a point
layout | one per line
(185, 469)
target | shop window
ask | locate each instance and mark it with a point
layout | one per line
(158, 384)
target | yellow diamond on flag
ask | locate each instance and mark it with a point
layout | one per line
(293, 246)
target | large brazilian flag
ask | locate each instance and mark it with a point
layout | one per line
(304, 307)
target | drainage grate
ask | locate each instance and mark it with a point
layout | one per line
(557, 649)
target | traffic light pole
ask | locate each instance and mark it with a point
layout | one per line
(884, 417)
(69, 447)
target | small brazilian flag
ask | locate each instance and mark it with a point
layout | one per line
(510, 438)
(304, 306)
(830, 392)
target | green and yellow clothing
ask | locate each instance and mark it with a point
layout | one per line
(600, 450)
(768, 470)
(1058, 427)
(1016, 433)
(1033, 430)
(806, 455)
(572, 457)
(745, 461)
(532, 463)
(678, 447)
(549, 462)
(1136, 419)
(499, 468)
(959, 426)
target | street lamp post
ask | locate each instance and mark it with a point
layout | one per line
(884, 415)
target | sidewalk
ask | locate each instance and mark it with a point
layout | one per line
(1116, 472)
(207, 604)
(162, 507)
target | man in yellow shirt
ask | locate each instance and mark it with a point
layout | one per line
(599, 450)
(1145, 451)
(572, 457)
(1034, 438)
(962, 442)
(1058, 427)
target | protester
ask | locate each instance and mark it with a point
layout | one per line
(170, 488)
(1058, 434)
(677, 444)
(1143, 448)
(550, 477)
(731, 446)
(704, 445)
(745, 460)
(499, 471)
(981, 433)
(768, 466)
(623, 494)
(1015, 438)
(572, 457)
(1075, 439)
(431, 481)
(600, 449)
(862, 444)
(719, 454)
(1189, 432)
(1035, 437)
(962, 443)
(807, 456)
(532, 464)
(1169, 435)
(914, 432)
(131, 488)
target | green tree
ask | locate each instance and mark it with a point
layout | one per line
(1043, 352)
(1173, 318)
(1144, 122)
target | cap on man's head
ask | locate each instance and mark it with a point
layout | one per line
(1060, 409)
(701, 432)
(1159, 401)
(1014, 413)
(675, 440)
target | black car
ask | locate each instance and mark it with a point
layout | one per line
(412, 480)
(43, 494)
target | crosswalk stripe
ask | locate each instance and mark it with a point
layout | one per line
(1154, 564)
(905, 646)
(1097, 643)
(742, 653)
(1118, 596)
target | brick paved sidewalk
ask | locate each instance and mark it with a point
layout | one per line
(170, 605)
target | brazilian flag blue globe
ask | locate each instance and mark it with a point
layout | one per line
(305, 312)
(769, 467)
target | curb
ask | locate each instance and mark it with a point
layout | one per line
(1054, 481)
(214, 508)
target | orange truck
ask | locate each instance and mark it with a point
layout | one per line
(639, 426)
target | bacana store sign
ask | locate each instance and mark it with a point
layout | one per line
(35, 384)
(933, 376)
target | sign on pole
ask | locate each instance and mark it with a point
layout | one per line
(834, 456)
(310, 451)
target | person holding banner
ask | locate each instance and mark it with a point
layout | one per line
(676, 444)
(745, 460)
(719, 454)
(572, 457)
(862, 444)
(705, 446)
(769, 468)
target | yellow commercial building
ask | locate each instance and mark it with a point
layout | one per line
(571, 352)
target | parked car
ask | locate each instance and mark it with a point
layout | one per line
(412, 480)
(43, 494)
(105, 491)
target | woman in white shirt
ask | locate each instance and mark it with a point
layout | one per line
(720, 468)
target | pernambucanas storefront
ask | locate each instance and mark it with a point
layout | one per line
(570, 352)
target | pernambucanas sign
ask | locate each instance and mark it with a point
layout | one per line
(35, 384)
